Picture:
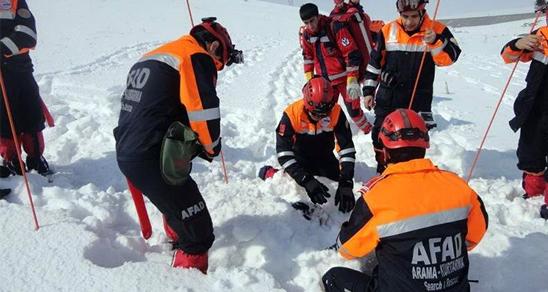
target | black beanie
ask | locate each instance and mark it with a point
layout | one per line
(308, 10)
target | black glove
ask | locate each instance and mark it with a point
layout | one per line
(344, 198)
(205, 156)
(389, 79)
(316, 191)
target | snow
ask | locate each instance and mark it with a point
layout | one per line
(89, 238)
(386, 9)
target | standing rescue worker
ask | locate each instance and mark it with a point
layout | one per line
(330, 51)
(395, 63)
(371, 27)
(419, 220)
(531, 110)
(358, 23)
(305, 140)
(18, 36)
(175, 82)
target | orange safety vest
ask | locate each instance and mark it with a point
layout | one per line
(302, 125)
(177, 54)
(397, 39)
(420, 221)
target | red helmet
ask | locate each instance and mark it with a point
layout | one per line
(404, 128)
(337, 2)
(228, 53)
(411, 5)
(318, 97)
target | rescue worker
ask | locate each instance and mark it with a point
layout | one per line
(395, 63)
(420, 221)
(371, 27)
(305, 139)
(330, 51)
(175, 82)
(531, 110)
(18, 36)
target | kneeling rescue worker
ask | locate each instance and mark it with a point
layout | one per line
(420, 221)
(305, 140)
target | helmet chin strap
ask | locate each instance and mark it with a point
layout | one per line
(311, 116)
(386, 156)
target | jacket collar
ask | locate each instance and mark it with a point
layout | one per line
(426, 24)
(415, 165)
(323, 25)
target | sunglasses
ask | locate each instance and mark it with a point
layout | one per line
(235, 56)
(405, 134)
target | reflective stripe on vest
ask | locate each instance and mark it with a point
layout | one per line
(205, 115)
(406, 47)
(4, 14)
(423, 221)
(167, 59)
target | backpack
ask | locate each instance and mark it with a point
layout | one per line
(360, 27)
(179, 146)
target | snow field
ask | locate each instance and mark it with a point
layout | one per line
(90, 237)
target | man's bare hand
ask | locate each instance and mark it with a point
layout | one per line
(429, 36)
(530, 42)
(369, 102)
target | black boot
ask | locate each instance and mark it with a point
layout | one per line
(4, 171)
(544, 211)
(39, 164)
(12, 166)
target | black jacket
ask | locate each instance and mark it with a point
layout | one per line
(297, 137)
(534, 97)
(18, 36)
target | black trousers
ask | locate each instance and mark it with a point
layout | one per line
(327, 166)
(183, 206)
(25, 103)
(341, 279)
(388, 100)
(532, 149)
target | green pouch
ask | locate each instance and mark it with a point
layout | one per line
(179, 146)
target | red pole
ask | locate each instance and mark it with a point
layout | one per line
(474, 163)
(422, 60)
(142, 214)
(189, 12)
(224, 167)
(18, 149)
